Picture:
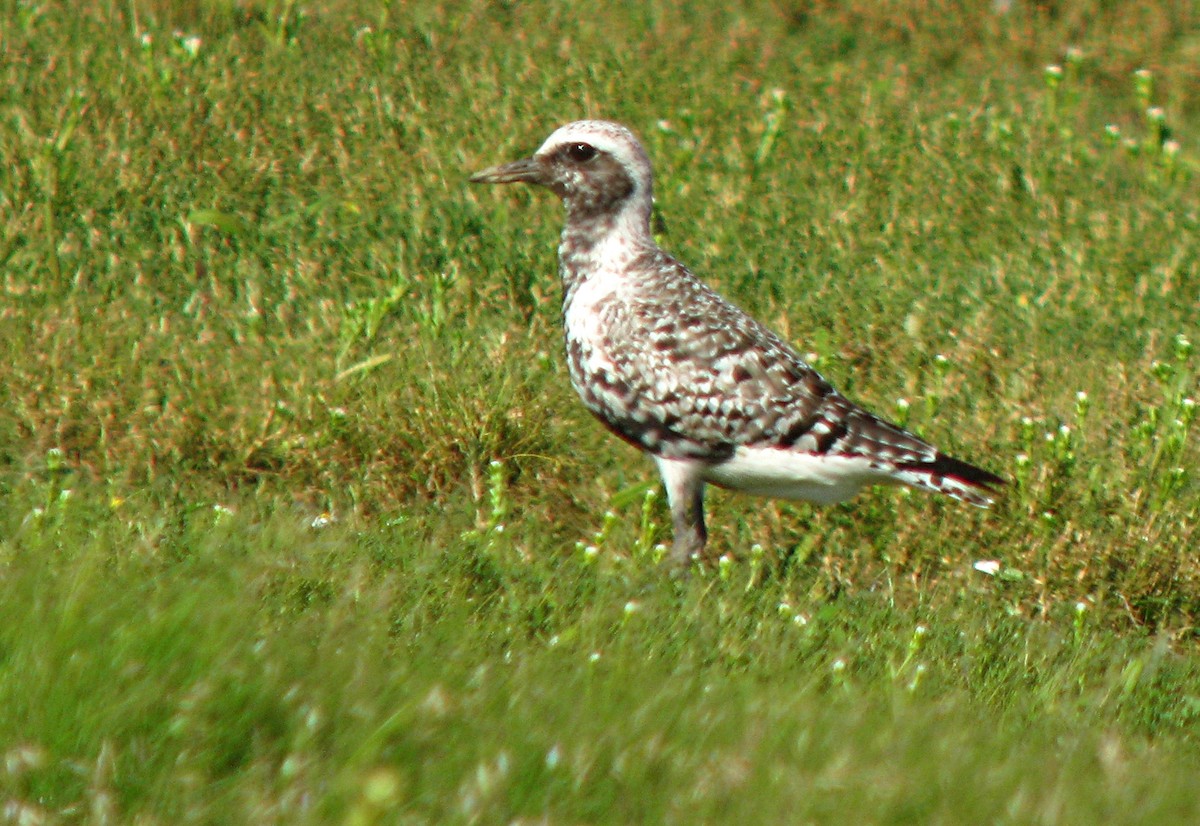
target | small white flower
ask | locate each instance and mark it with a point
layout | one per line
(291, 767)
(987, 566)
(594, 657)
(191, 45)
(324, 520)
(632, 607)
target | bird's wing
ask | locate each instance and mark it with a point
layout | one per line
(707, 378)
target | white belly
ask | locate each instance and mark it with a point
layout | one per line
(785, 474)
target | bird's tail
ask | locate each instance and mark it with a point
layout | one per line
(945, 474)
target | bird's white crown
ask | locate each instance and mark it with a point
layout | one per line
(610, 138)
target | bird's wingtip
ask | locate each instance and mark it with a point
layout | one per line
(956, 478)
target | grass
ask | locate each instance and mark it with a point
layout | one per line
(302, 524)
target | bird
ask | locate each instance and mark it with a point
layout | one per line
(668, 365)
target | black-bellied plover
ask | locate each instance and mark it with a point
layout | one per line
(674, 369)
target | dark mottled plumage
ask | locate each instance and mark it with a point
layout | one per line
(673, 368)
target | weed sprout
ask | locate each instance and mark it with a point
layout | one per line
(724, 567)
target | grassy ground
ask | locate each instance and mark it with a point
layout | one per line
(302, 524)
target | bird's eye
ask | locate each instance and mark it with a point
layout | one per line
(581, 152)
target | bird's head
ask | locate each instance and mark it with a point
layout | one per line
(595, 166)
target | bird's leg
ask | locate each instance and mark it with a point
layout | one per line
(685, 494)
(687, 518)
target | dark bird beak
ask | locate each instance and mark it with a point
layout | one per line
(525, 171)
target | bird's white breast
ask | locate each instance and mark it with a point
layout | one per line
(602, 280)
(585, 312)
